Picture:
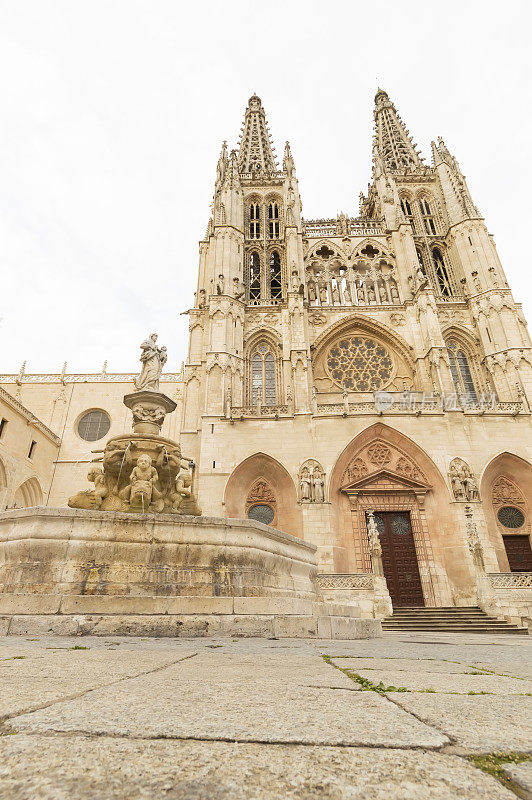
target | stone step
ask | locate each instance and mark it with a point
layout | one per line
(460, 619)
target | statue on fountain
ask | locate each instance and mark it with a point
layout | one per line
(153, 359)
(142, 471)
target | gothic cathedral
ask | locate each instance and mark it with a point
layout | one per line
(359, 371)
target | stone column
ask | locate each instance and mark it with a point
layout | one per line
(383, 602)
(485, 597)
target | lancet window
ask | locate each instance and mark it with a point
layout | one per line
(263, 381)
(421, 262)
(254, 276)
(427, 216)
(441, 272)
(461, 372)
(407, 210)
(254, 221)
(276, 288)
(273, 220)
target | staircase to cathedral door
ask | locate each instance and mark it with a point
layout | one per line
(399, 558)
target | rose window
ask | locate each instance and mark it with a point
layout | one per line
(359, 364)
(511, 517)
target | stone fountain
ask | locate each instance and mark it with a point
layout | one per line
(142, 471)
(134, 556)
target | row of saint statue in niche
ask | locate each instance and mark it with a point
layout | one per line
(357, 292)
(312, 485)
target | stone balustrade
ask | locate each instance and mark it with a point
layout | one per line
(346, 581)
(510, 580)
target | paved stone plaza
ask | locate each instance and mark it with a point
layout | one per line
(406, 716)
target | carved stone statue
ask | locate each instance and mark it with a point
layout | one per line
(91, 499)
(141, 488)
(183, 501)
(458, 488)
(463, 482)
(153, 359)
(335, 294)
(142, 470)
(311, 478)
(375, 548)
(305, 486)
(318, 486)
(471, 488)
(220, 286)
(347, 295)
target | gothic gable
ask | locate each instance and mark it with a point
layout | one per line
(384, 480)
(381, 466)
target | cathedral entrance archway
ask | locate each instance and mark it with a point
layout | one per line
(383, 470)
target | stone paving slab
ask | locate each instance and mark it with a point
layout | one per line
(166, 704)
(521, 774)
(513, 668)
(400, 664)
(268, 669)
(44, 676)
(479, 723)
(121, 769)
(445, 682)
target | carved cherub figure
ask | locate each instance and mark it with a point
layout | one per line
(91, 499)
(183, 501)
(141, 489)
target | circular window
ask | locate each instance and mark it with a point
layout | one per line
(261, 513)
(94, 425)
(400, 524)
(511, 517)
(359, 364)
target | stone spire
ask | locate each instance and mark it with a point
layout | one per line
(393, 143)
(453, 180)
(256, 152)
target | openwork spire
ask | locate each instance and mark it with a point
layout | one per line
(256, 151)
(393, 142)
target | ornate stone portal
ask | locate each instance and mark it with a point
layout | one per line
(143, 471)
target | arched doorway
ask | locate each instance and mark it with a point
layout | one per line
(261, 488)
(28, 494)
(3, 486)
(506, 489)
(423, 554)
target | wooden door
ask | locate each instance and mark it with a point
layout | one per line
(518, 552)
(399, 558)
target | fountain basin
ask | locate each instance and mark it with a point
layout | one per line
(102, 572)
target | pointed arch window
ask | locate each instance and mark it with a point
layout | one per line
(407, 210)
(276, 289)
(254, 276)
(461, 372)
(263, 382)
(420, 259)
(442, 274)
(428, 218)
(273, 220)
(254, 221)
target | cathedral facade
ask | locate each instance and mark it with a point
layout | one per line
(344, 374)
(371, 364)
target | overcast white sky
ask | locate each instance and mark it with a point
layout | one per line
(112, 114)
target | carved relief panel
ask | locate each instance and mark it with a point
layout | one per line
(463, 483)
(311, 482)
